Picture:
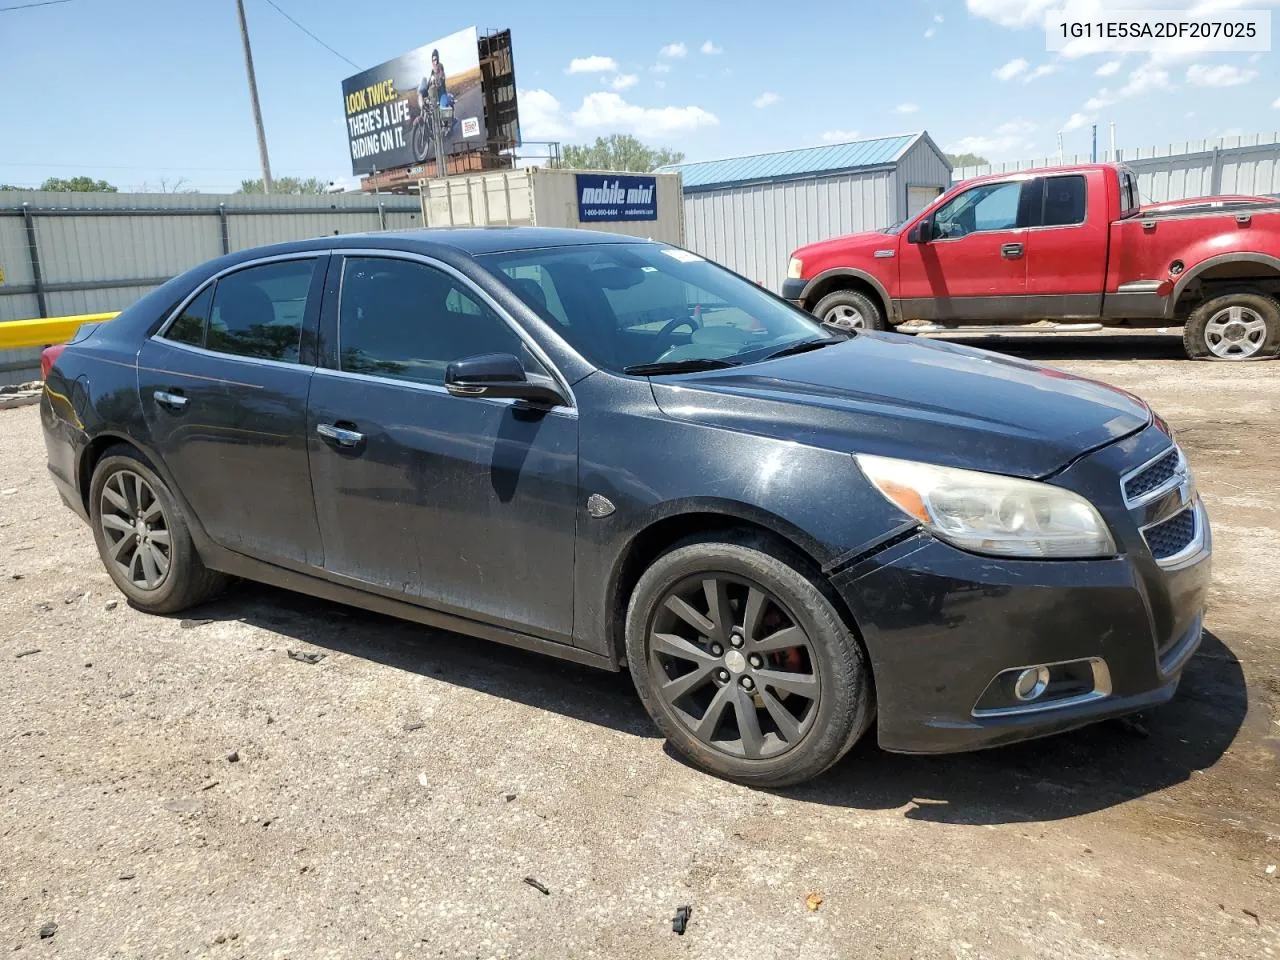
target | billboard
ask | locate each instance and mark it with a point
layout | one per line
(389, 108)
(604, 197)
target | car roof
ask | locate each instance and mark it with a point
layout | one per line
(472, 241)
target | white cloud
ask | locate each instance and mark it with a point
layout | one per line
(540, 117)
(766, 99)
(1145, 79)
(1076, 121)
(1221, 75)
(906, 108)
(1041, 71)
(1100, 101)
(674, 50)
(986, 145)
(710, 49)
(624, 80)
(593, 64)
(1011, 69)
(1275, 104)
(1017, 126)
(1108, 68)
(1011, 13)
(610, 111)
(660, 84)
(839, 136)
(660, 68)
(930, 33)
(937, 18)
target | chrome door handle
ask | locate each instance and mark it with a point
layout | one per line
(1011, 251)
(174, 400)
(339, 435)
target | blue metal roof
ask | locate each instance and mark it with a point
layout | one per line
(789, 164)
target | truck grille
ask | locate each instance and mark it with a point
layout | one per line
(1153, 476)
(1173, 535)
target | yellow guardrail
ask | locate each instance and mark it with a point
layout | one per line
(15, 334)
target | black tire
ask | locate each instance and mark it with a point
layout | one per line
(850, 302)
(1205, 336)
(186, 581)
(846, 701)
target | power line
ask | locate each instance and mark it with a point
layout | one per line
(300, 27)
(42, 3)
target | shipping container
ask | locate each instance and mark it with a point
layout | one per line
(546, 197)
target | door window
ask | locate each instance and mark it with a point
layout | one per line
(255, 312)
(409, 321)
(989, 206)
(190, 324)
(1064, 201)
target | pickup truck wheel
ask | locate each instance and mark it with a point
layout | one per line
(1234, 326)
(849, 310)
(744, 663)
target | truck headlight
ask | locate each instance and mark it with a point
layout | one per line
(793, 269)
(988, 513)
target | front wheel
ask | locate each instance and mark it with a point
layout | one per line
(850, 310)
(744, 663)
(1235, 326)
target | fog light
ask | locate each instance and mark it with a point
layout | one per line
(1030, 683)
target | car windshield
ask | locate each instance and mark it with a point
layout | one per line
(628, 307)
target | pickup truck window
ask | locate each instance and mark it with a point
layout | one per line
(1064, 201)
(988, 206)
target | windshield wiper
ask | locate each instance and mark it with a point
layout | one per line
(804, 346)
(692, 365)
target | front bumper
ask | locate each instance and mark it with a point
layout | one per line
(793, 290)
(941, 624)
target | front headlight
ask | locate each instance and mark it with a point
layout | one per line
(794, 268)
(988, 513)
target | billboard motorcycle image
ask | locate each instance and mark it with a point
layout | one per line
(392, 109)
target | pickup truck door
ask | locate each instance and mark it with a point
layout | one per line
(975, 266)
(1066, 251)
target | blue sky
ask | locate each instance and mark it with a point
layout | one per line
(140, 91)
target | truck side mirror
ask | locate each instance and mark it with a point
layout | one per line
(922, 232)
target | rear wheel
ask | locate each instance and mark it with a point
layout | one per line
(850, 310)
(1235, 326)
(744, 663)
(142, 537)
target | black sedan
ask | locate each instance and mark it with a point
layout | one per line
(614, 451)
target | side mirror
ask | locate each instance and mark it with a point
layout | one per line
(500, 375)
(922, 232)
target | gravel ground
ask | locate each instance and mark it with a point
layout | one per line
(182, 787)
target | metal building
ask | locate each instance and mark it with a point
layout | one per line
(749, 213)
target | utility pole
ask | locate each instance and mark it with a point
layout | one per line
(253, 97)
(1113, 158)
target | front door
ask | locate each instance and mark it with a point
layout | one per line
(224, 393)
(974, 267)
(463, 504)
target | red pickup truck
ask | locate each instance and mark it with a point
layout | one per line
(1065, 243)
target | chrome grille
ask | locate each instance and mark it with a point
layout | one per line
(1153, 476)
(1172, 536)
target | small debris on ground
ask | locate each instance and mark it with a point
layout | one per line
(304, 656)
(1271, 869)
(422, 779)
(211, 784)
(1134, 725)
(1251, 914)
(537, 885)
(680, 922)
(127, 876)
(233, 756)
(15, 576)
(73, 596)
(188, 624)
(48, 930)
(111, 604)
(44, 606)
(220, 938)
(509, 797)
(26, 653)
(812, 902)
(415, 725)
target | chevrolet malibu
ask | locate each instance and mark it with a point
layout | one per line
(614, 451)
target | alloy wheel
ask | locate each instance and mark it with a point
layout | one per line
(734, 666)
(135, 529)
(1235, 333)
(845, 317)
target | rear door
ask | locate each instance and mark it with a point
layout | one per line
(224, 392)
(463, 504)
(974, 267)
(1066, 248)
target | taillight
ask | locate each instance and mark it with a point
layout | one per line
(48, 357)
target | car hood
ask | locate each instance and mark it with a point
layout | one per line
(846, 244)
(927, 400)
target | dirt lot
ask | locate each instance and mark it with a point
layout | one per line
(389, 801)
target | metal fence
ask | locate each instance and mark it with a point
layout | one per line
(75, 253)
(1176, 171)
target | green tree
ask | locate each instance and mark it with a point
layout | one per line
(10, 186)
(77, 185)
(620, 151)
(967, 160)
(285, 185)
